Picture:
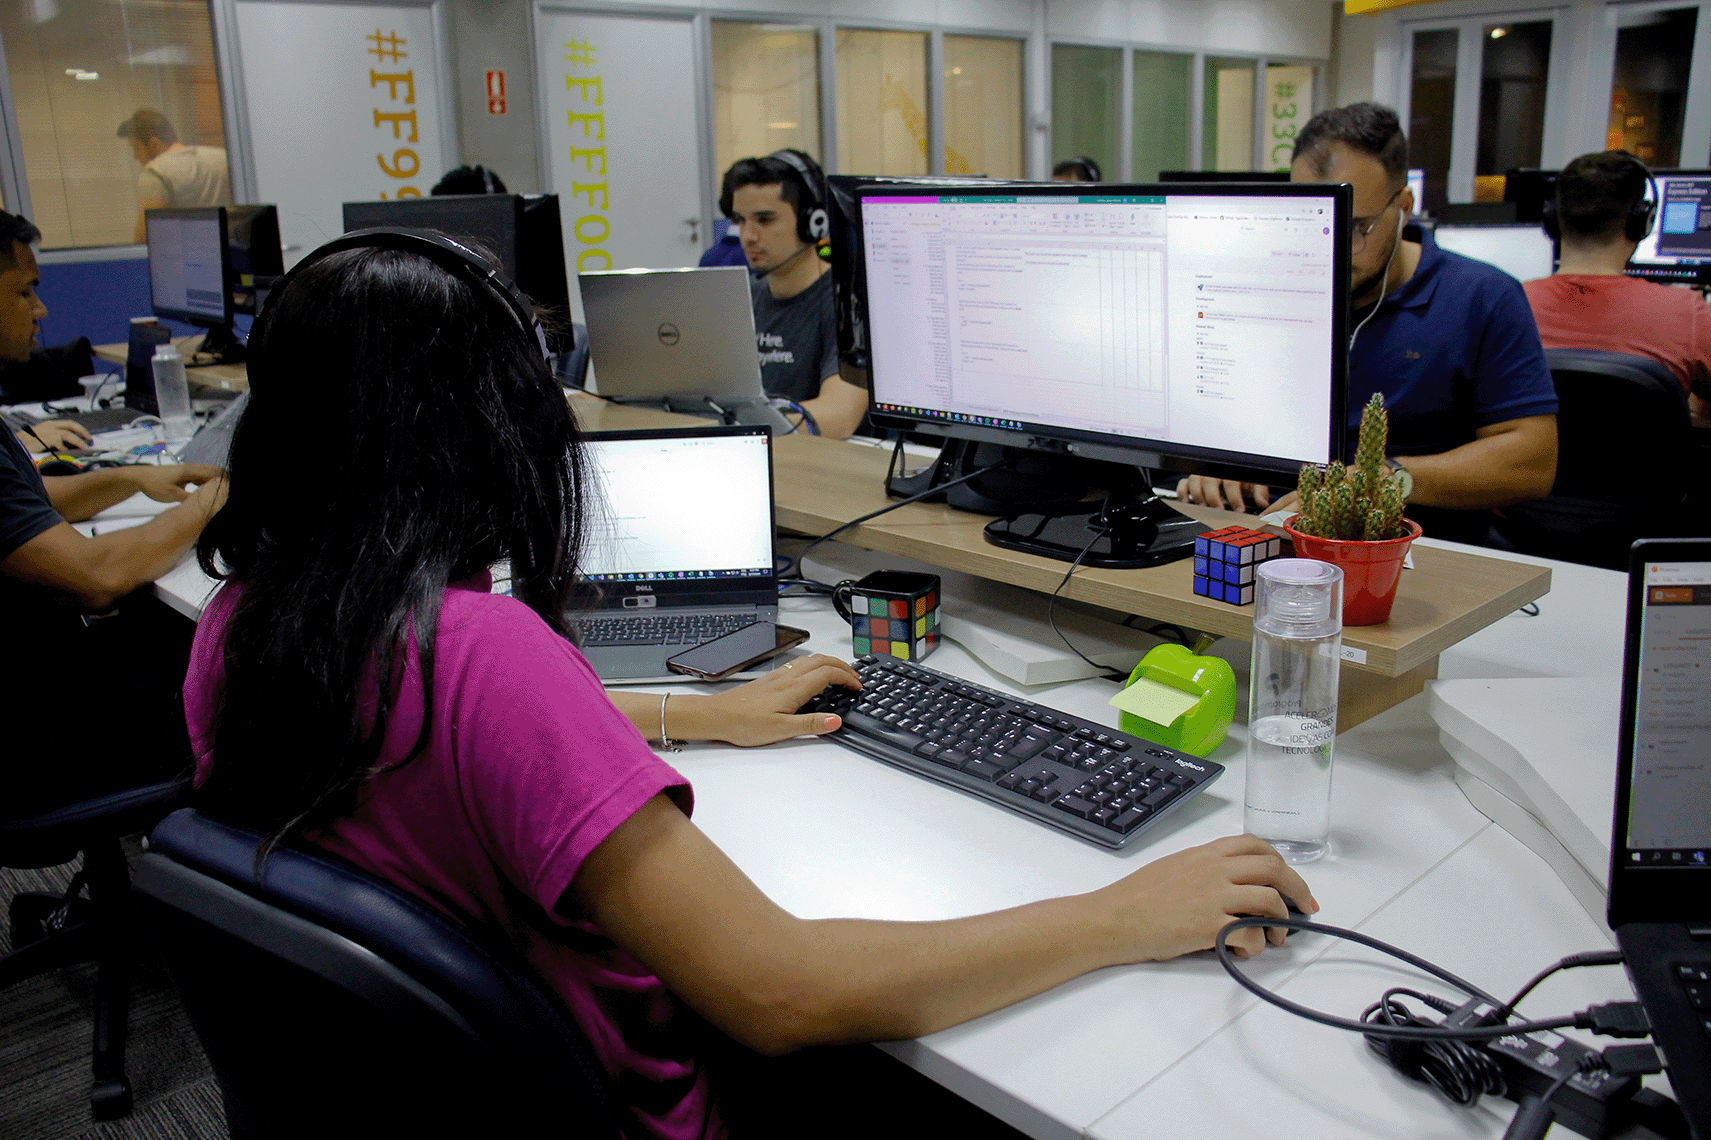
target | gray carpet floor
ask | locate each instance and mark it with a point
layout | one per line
(45, 1029)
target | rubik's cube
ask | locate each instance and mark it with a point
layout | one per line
(1224, 562)
(905, 626)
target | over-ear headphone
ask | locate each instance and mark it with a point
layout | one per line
(812, 221)
(446, 252)
(1089, 168)
(1636, 223)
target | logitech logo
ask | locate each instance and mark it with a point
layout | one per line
(1187, 764)
(668, 333)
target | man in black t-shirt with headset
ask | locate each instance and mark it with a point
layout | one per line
(777, 205)
(92, 699)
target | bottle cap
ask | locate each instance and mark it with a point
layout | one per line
(167, 351)
(1298, 597)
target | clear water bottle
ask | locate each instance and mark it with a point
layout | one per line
(172, 392)
(1292, 705)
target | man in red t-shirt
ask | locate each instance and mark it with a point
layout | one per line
(1588, 303)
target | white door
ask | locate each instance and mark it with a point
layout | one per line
(372, 124)
(624, 140)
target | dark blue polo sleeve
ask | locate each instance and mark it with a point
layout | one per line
(25, 510)
(1511, 379)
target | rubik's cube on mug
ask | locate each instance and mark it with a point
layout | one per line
(1224, 562)
(893, 613)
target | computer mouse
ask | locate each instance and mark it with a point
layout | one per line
(58, 467)
(1294, 912)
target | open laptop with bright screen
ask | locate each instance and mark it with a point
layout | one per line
(1679, 246)
(1660, 873)
(680, 544)
(1201, 325)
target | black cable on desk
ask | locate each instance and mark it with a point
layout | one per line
(1051, 619)
(1596, 958)
(1402, 1032)
(795, 569)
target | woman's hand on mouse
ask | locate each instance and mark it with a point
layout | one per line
(764, 710)
(1177, 904)
(55, 434)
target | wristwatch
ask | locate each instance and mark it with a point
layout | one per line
(1403, 475)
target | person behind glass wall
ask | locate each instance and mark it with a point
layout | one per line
(173, 174)
(1450, 341)
(777, 205)
(1081, 168)
(496, 779)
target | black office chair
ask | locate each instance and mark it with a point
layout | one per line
(50, 932)
(571, 365)
(326, 998)
(1625, 461)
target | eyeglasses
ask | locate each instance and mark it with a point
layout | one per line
(1361, 227)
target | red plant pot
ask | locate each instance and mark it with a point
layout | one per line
(1371, 570)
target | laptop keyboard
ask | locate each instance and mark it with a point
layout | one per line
(660, 629)
(1696, 980)
(1076, 775)
(103, 419)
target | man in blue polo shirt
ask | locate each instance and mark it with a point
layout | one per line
(1449, 341)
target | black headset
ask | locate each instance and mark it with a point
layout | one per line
(1088, 167)
(446, 252)
(1636, 223)
(812, 221)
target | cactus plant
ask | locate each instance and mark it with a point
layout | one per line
(1359, 502)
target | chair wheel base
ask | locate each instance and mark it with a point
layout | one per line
(110, 1100)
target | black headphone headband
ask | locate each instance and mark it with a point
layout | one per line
(812, 222)
(446, 252)
(1637, 221)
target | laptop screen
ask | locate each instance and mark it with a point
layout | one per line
(1668, 823)
(689, 505)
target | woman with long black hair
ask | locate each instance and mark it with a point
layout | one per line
(356, 685)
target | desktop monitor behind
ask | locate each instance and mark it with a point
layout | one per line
(1208, 176)
(1191, 327)
(522, 230)
(210, 263)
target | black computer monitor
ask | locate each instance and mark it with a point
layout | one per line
(1204, 176)
(1678, 250)
(1529, 189)
(522, 230)
(1177, 326)
(207, 265)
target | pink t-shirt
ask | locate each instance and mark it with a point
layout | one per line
(528, 768)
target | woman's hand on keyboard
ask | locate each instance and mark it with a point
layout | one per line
(1178, 904)
(764, 710)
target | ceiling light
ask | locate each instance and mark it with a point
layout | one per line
(1499, 33)
(781, 126)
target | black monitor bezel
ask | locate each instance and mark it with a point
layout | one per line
(1162, 455)
(275, 266)
(1645, 894)
(201, 320)
(1697, 273)
(748, 589)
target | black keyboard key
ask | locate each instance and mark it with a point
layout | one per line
(1699, 996)
(983, 768)
(869, 725)
(1129, 820)
(1076, 806)
(1043, 795)
(1693, 973)
(1158, 797)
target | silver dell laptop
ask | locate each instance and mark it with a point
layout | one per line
(679, 339)
(680, 545)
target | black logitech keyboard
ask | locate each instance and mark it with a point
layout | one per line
(1092, 781)
(660, 629)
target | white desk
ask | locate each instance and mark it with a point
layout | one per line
(1177, 1049)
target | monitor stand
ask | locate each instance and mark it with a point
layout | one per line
(223, 345)
(1129, 531)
